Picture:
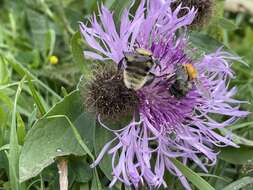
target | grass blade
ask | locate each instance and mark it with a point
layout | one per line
(239, 183)
(193, 177)
(22, 71)
(13, 155)
(36, 98)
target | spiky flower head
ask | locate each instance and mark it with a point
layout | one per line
(204, 10)
(106, 95)
(164, 126)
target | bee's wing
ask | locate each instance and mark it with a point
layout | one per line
(150, 78)
(202, 89)
(130, 56)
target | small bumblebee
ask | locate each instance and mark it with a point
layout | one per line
(138, 65)
(185, 76)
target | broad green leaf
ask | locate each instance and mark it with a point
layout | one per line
(81, 170)
(39, 27)
(103, 136)
(242, 155)
(55, 135)
(76, 133)
(205, 42)
(84, 186)
(77, 50)
(227, 24)
(96, 185)
(193, 177)
(238, 184)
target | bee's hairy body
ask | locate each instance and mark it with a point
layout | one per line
(137, 69)
(184, 76)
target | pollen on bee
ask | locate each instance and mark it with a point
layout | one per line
(191, 70)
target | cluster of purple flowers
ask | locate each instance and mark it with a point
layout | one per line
(166, 127)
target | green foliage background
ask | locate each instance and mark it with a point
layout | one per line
(42, 117)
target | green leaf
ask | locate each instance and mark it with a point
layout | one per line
(50, 41)
(4, 73)
(227, 24)
(240, 126)
(96, 185)
(242, 155)
(76, 133)
(118, 7)
(54, 135)
(193, 177)
(21, 131)
(205, 42)
(39, 27)
(14, 150)
(37, 98)
(239, 183)
(103, 136)
(236, 138)
(77, 50)
(22, 71)
(224, 179)
(81, 170)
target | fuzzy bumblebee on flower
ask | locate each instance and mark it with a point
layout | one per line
(173, 98)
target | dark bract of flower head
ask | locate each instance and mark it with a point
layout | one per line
(106, 95)
(204, 8)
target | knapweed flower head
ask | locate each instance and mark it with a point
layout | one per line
(106, 94)
(164, 126)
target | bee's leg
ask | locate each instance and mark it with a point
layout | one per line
(120, 64)
(157, 64)
(151, 78)
(169, 77)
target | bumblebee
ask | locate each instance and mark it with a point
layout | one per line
(185, 76)
(138, 65)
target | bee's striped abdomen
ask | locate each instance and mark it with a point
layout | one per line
(137, 69)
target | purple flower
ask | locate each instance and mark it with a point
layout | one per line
(167, 127)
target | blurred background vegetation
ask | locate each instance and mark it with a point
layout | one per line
(39, 39)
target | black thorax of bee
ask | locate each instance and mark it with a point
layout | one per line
(182, 84)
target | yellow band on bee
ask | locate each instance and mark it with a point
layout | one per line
(143, 51)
